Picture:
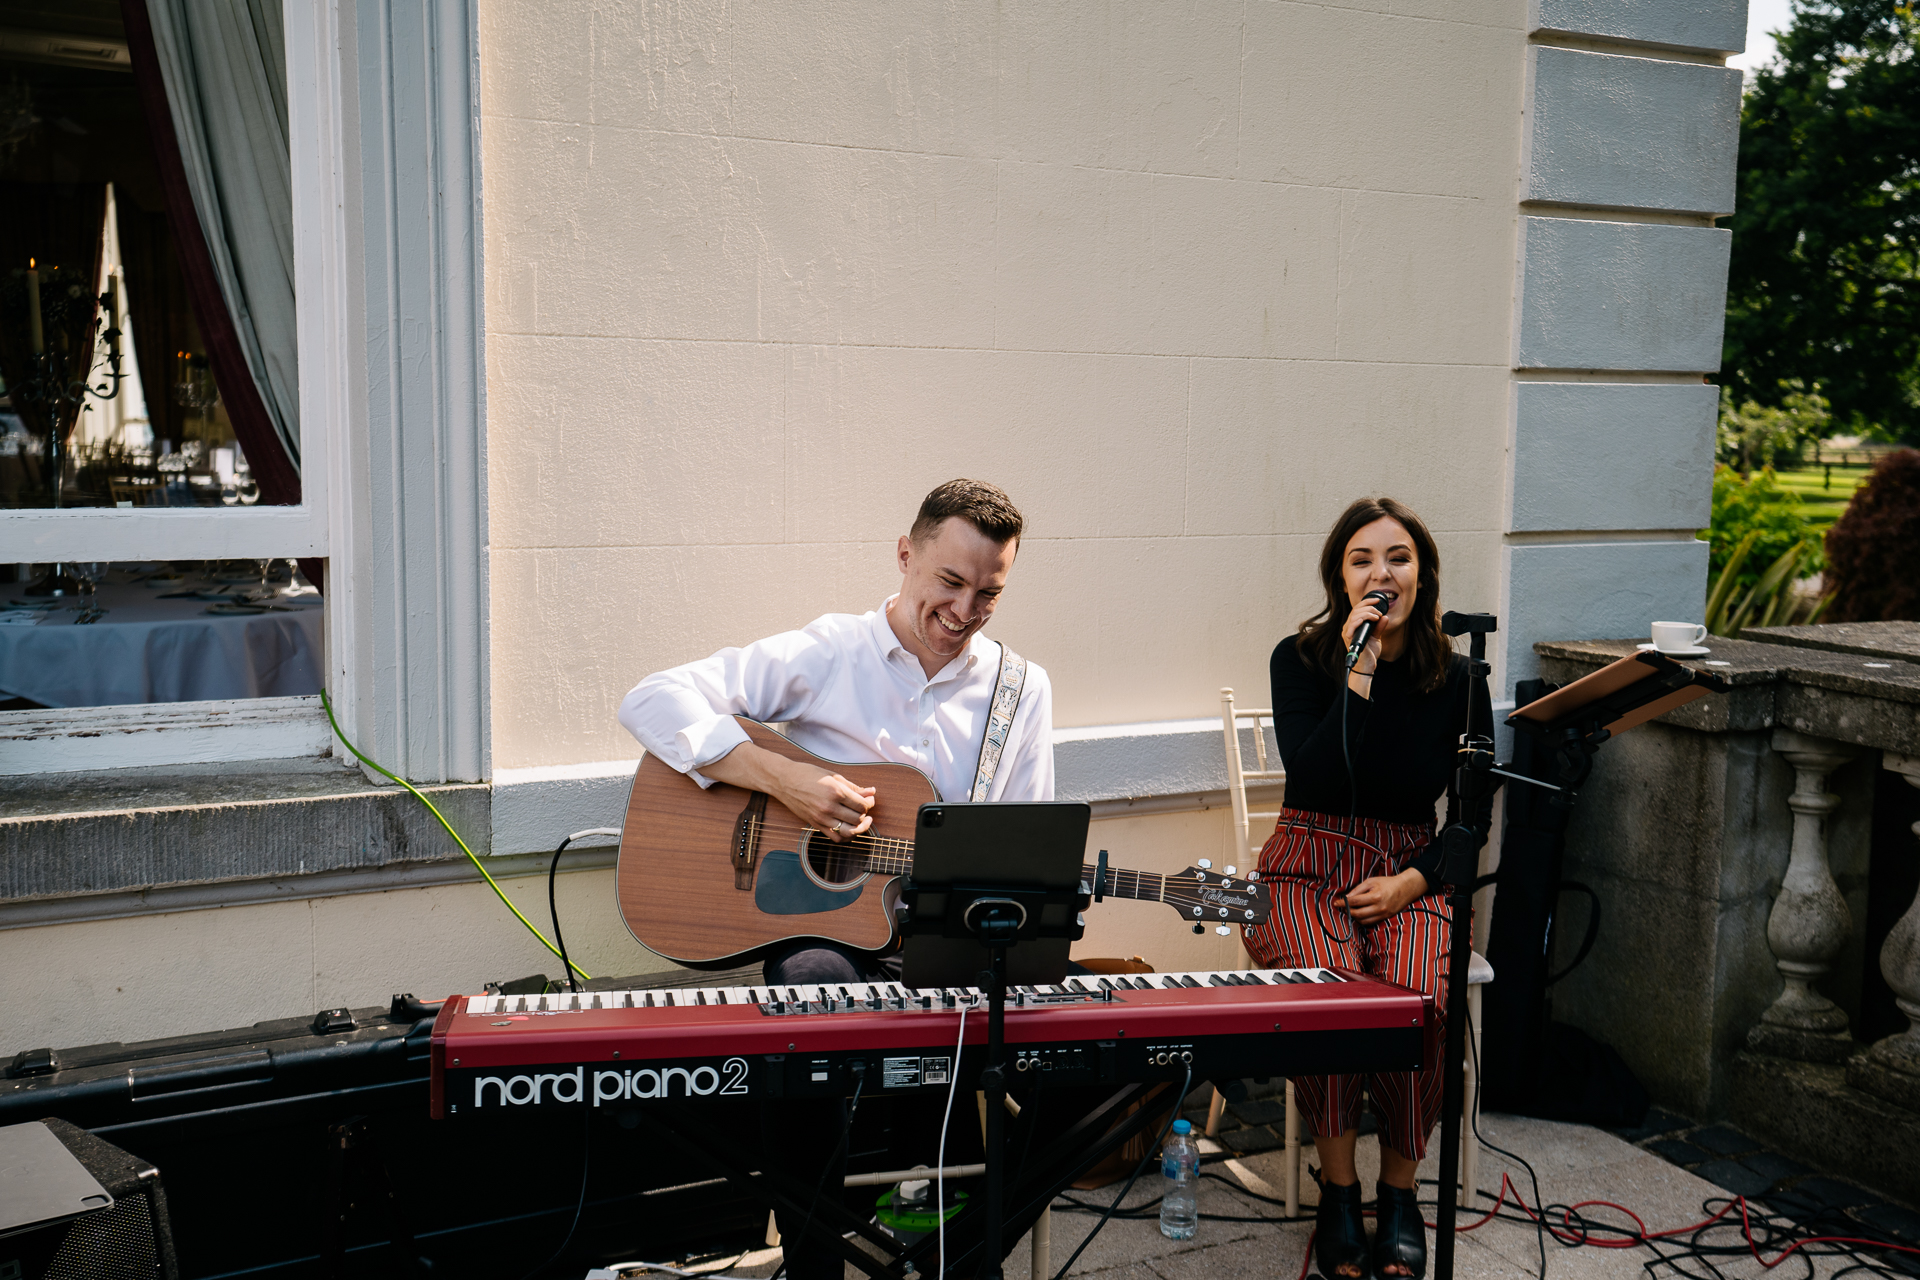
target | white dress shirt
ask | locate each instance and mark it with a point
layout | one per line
(847, 689)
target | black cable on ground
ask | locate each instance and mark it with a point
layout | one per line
(586, 1152)
(1152, 1151)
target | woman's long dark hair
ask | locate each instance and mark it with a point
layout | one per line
(1428, 652)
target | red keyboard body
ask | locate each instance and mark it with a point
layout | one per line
(494, 1055)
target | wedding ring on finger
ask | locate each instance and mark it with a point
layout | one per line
(837, 826)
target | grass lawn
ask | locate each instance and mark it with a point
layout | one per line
(1821, 503)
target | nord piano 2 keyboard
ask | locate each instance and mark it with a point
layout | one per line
(496, 1054)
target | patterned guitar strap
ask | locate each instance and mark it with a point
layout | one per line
(1006, 701)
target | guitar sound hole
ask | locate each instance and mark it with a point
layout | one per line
(833, 863)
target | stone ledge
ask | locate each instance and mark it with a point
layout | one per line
(1811, 1113)
(138, 829)
(1820, 692)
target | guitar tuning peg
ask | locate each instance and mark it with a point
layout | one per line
(1232, 870)
(1207, 863)
(1223, 930)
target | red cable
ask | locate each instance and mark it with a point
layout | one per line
(1576, 1236)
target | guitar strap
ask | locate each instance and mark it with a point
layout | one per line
(1000, 712)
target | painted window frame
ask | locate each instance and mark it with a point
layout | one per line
(62, 740)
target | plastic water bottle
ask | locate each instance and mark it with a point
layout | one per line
(1179, 1176)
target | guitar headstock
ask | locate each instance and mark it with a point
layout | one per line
(1205, 896)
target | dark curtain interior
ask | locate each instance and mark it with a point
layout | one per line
(58, 225)
(161, 316)
(273, 470)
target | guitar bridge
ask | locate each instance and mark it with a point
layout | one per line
(746, 840)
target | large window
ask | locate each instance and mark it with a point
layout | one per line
(163, 518)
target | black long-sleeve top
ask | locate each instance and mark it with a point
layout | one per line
(1402, 742)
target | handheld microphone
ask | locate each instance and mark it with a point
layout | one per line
(1381, 601)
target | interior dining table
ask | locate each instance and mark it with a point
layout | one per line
(153, 643)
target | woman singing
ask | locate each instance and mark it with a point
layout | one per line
(1353, 862)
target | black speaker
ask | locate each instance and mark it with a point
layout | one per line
(126, 1240)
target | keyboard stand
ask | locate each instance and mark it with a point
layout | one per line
(1102, 1130)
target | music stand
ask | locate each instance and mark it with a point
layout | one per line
(1576, 720)
(993, 876)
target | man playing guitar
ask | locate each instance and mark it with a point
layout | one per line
(911, 682)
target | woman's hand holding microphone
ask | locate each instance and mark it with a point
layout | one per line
(1368, 614)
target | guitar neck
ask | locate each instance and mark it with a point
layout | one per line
(1147, 886)
(895, 858)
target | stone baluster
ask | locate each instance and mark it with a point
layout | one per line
(1810, 921)
(1892, 1067)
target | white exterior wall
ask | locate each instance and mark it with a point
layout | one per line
(1184, 279)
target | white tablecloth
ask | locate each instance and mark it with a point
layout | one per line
(146, 649)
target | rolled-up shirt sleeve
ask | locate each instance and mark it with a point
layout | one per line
(685, 715)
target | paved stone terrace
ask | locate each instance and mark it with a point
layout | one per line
(1664, 1171)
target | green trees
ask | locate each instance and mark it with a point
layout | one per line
(1824, 287)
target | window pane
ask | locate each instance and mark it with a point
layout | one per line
(84, 635)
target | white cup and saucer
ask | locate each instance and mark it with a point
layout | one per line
(1677, 640)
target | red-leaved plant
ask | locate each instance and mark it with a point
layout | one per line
(1873, 551)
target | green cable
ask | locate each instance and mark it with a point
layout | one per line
(387, 773)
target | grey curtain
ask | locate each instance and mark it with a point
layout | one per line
(224, 64)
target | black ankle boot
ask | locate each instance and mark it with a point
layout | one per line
(1340, 1233)
(1399, 1234)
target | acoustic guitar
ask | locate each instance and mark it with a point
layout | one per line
(717, 877)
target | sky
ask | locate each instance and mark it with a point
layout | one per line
(1762, 16)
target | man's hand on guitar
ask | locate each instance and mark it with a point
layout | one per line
(823, 800)
(827, 801)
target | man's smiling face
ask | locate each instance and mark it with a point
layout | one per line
(951, 583)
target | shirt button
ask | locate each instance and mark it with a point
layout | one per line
(926, 742)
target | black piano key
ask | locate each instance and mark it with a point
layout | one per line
(1188, 982)
(1328, 975)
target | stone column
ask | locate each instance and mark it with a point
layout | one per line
(1891, 1068)
(1809, 922)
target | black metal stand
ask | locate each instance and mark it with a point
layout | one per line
(997, 916)
(1461, 843)
(1575, 725)
(993, 1079)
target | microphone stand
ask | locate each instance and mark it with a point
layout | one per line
(1460, 845)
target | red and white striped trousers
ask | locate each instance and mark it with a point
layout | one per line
(1311, 860)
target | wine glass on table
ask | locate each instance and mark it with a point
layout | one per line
(89, 574)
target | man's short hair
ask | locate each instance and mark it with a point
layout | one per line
(982, 505)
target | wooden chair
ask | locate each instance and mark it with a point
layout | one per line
(1239, 776)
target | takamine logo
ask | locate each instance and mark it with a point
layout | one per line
(566, 1087)
(1219, 898)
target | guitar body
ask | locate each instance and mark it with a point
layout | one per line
(685, 895)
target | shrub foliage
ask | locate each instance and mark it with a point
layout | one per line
(1873, 551)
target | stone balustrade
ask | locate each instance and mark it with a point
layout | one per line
(1731, 844)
